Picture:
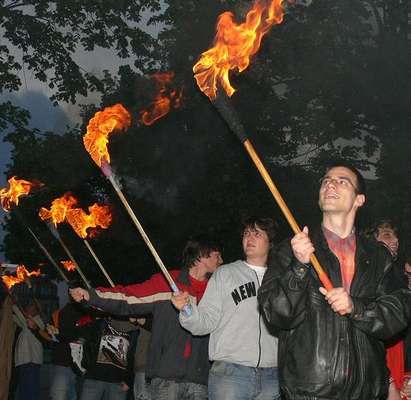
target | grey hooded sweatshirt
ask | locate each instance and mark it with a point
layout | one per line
(229, 312)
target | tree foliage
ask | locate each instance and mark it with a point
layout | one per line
(331, 82)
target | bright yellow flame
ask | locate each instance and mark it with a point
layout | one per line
(100, 216)
(59, 208)
(99, 129)
(21, 275)
(18, 187)
(234, 44)
(68, 265)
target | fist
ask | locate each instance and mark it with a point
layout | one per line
(339, 300)
(302, 246)
(180, 299)
(79, 294)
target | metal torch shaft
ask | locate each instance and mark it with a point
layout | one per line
(143, 233)
(322, 275)
(97, 260)
(56, 234)
(48, 255)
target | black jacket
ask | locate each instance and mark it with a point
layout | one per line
(323, 355)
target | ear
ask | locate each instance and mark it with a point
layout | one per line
(360, 200)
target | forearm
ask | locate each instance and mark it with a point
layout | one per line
(120, 304)
(202, 321)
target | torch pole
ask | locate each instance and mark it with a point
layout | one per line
(223, 105)
(56, 234)
(97, 260)
(143, 233)
(42, 247)
(325, 280)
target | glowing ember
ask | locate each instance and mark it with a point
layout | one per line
(68, 265)
(164, 100)
(58, 210)
(18, 187)
(234, 44)
(100, 216)
(99, 129)
(21, 275)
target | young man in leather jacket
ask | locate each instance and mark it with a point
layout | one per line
(331, 344)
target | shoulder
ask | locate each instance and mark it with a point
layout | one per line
(227, 270)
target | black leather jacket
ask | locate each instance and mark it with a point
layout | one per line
(323, 355)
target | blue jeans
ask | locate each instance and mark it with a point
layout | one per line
(163, 389)
(99, 390)
(228, 381)
(141, 387)
(63, 384)
(28, 382)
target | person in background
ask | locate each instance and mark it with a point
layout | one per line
(177, 361)
(243, 351)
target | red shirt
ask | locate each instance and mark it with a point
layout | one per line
(344, 250)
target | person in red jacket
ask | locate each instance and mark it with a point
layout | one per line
(177, 362)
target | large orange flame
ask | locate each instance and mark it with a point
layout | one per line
(59, 208)
(234, 44)
(99, 129)
(21, 275)
(100, 216)
(68, 265)
(18, 187)
(164, 100)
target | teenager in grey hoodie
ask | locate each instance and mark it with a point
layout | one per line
(243, 351)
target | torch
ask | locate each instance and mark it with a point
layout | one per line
(234, 44)
(56, 215)
(99, 216)
(95, 141)
(10, 197)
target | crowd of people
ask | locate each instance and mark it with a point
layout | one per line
(263, 327)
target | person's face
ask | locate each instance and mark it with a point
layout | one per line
(255, 242)
(212, 261)
(389, 238)
(338, 192)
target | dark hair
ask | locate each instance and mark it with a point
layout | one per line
(360, 188)
(268, 225)
(407, 258)
(199, 246)
(383, 223)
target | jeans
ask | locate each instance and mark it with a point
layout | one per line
(228, 381)
(162, 389)
(63, 384)
(141, 387)
(99, 390)
(28, 382)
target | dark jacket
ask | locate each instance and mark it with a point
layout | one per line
(323, 355)
(174, 354)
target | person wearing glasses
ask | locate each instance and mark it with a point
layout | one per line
(331, 343)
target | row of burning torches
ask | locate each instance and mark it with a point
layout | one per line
(234, 44)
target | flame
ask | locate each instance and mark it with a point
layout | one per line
(18, 187)
(59, 208)
(68, 265)
(21, 275)
(100, 216)
(164, 100)
(234, 44)
(100, 127)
